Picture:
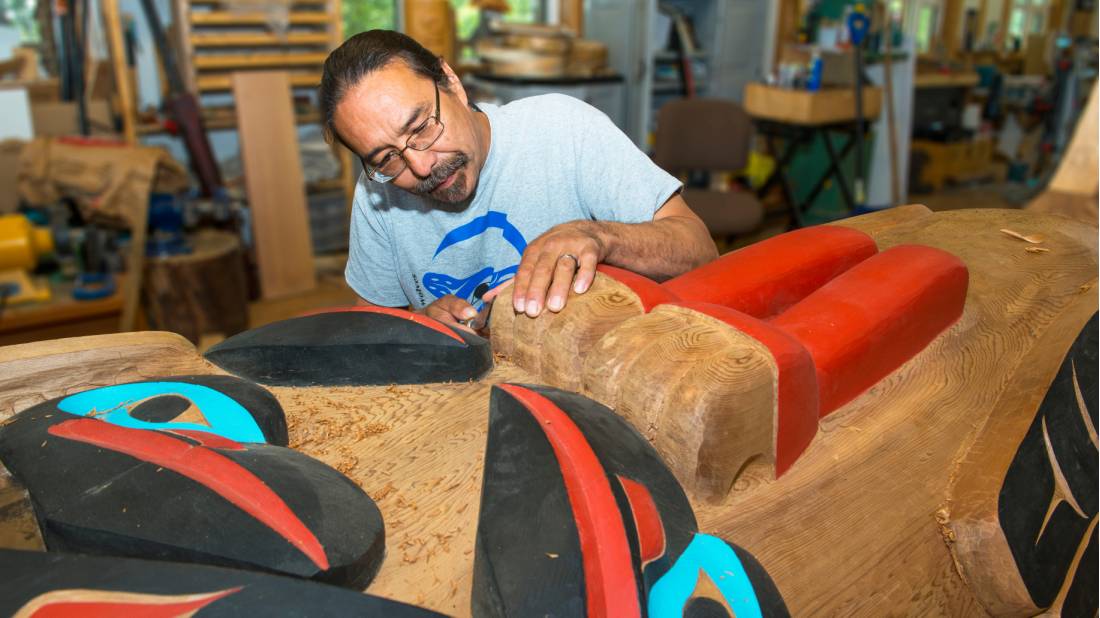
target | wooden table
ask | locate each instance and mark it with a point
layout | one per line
(796, 118)
(62, 316)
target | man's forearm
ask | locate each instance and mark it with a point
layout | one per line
(659, 249)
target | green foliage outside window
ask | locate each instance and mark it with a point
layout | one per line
(523, 12)
(362, 15)
(20, 13)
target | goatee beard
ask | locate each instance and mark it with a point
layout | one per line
(440, 173)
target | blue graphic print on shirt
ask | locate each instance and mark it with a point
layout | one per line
(473, 286)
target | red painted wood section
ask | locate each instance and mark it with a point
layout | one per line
(649, 291)
(207, 439)
(202, 465)
(869, 321)
(647, 520)
(797, 406)
(765, 278)
(111, 604)
(412, 316)
(610, 587)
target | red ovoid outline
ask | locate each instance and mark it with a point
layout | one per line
(610, 587)
(207, 467)
(422, 320)
(88, 603)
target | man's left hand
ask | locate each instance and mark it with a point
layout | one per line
(564, 257)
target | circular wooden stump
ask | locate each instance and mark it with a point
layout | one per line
(201, 292)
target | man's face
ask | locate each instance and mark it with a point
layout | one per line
(380, 113)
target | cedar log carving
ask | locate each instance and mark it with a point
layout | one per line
(880, 510)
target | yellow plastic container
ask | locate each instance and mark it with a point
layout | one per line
(21, 243)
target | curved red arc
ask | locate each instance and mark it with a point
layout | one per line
(405, 314)
(610, 587)
(647, 520)
(213, 470)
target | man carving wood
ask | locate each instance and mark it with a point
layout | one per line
(456, 199)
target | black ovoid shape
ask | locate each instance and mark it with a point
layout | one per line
(354, 348)
(101, 488)
(30, 576)
(161, 409)
(1048, 500)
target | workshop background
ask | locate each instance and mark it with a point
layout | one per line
(152, 176)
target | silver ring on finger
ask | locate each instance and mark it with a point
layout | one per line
(576, 262)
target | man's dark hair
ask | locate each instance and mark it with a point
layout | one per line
(365, 53)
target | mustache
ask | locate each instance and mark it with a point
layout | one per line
(440, 173)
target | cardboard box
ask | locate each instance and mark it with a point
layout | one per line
(809, 108)
(59, 119)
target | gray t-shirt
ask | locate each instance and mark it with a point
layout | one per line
(552, 159)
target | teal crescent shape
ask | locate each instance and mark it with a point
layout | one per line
(718, 560)
(112, 404)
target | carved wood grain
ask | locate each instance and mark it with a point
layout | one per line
(418, 451)
(872, 481)
(702, 392)
(614, 355)
(553, 346)
(851, 529)
(970, 517)
(31, 373)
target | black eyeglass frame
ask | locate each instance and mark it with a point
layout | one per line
(376, 175)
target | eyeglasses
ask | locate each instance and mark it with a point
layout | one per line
(421, 138)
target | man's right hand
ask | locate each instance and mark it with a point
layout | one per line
(452, 311)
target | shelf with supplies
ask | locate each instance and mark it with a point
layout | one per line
(220, 38)
(217, 40)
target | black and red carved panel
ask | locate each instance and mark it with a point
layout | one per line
(1048, 500)
(579, 516)
(354, 346)
(110, 471)
(41, 585)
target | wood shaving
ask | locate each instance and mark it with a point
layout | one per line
(1036, 250)
(1035, 240)
(382, 493)
(551, 556)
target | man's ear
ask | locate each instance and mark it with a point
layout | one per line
(454, 84)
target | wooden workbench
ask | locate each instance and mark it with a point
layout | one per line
(62, 316)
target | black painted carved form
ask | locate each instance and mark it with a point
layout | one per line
(56, 584)
(1048, 500)
(110, 472)
(580, 517)
(354, 346)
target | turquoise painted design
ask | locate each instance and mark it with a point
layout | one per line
(227, 418)
(717, 559)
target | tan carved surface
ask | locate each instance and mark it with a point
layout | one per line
(855, 527)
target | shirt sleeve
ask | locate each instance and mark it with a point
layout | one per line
(615, 180)
(372, 271)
